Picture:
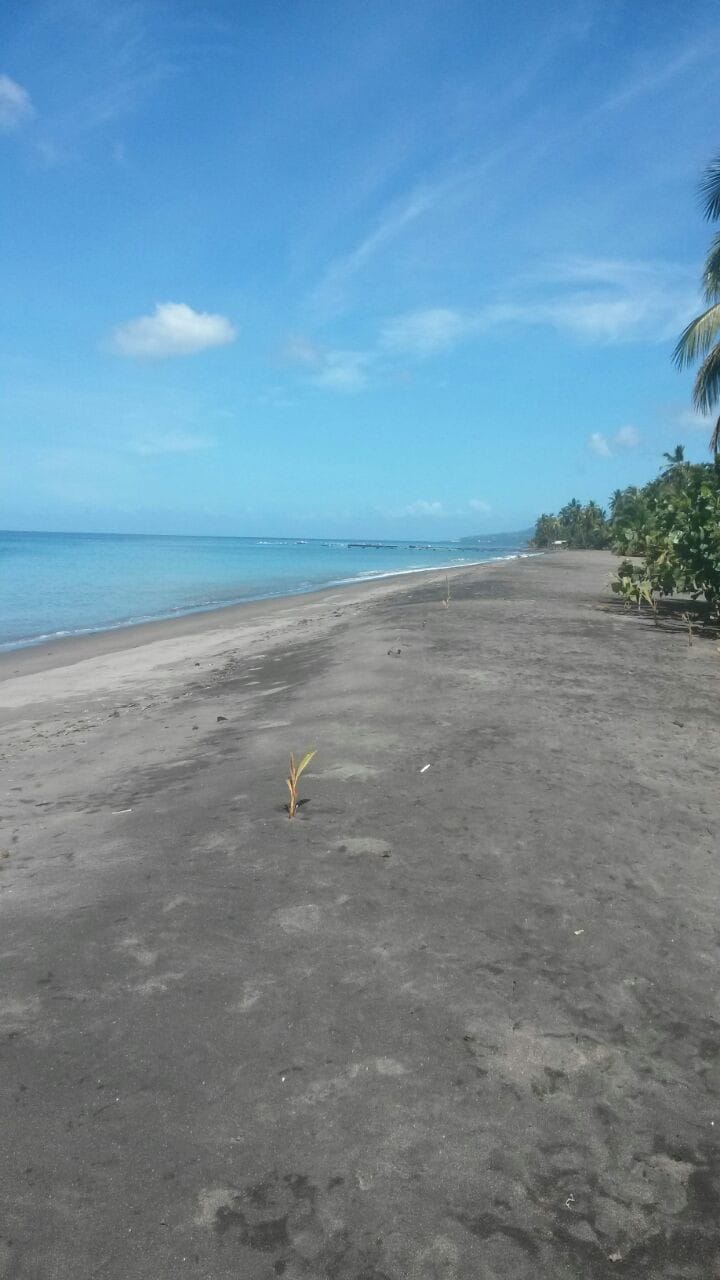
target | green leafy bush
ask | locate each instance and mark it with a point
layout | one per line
(673, 524)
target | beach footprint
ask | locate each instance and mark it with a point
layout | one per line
(364, 846)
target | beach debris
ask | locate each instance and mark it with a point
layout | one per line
(425, 768)
(570, 1201)
(577, 932)
(446, 599)
(615, 1256)
(394, 653)
(114, 813)
(219, 718)
(296, 768)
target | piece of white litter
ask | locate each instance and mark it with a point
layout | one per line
(425, 768)
(114, 812)
(577, 932)
(570, 1200)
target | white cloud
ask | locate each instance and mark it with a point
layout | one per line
(423, 508)
(482, 508)
(627, 437)
(595, 300)
(625, 301)
(343, 371)
(601, 300)
(423, 333)
(598, 444)
(173, 330)
(604, 447)
(171, 442)
(15, 105)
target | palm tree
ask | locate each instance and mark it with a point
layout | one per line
(615, 501)
(676, 458)
(698, 340)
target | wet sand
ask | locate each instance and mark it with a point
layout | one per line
(453, 1021)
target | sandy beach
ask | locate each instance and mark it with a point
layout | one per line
(459, 1019)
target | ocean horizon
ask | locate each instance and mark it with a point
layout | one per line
(65, 584)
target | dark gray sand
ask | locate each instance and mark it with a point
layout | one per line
(456, 1021)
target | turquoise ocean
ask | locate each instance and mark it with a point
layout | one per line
(61, 584)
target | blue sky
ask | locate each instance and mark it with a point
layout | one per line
(408, 269)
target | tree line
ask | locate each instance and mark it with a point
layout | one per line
(668, 530)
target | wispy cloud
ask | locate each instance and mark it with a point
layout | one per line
(328, 297)
(343, 371)
(299, 349)
(592, 300)
(15, 105)
(424, 333)
(170, 442)
(437, 510)
(606, 447)
(173, 329)
(112, 58)
(423, 508)
(622, 301)
(602, 301)
(655, 77)
(332, 369)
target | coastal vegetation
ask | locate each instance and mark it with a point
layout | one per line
(668, 532)
(699, 341)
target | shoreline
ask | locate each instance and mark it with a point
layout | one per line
(59, 650)
(53, 637)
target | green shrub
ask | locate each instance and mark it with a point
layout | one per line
(676, 532)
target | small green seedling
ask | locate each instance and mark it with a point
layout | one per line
(687, 619)
(634, 589)
(648, 596)
(292, 782)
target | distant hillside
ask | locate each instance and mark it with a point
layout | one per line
(518, 538)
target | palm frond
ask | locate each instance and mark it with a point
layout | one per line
(706, 391)
(698, 337)
(710, 190)
(715, 438)
(711, 272)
